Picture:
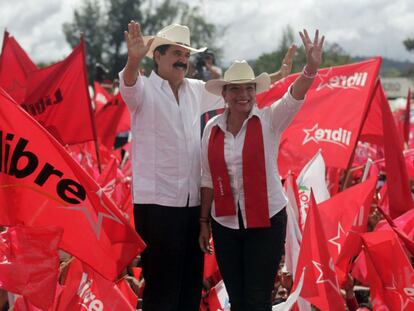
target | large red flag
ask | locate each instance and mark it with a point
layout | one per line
(390, 274)
(29, 263)
(86, 290)
(40, 185)
(331, 117)
(321, 287)
(15, 66)
(58, 98)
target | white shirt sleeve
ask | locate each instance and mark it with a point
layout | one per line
(132, 95)
(206, 180)
(283, 110)
(209, 101)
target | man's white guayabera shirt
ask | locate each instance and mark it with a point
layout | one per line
(166, 144)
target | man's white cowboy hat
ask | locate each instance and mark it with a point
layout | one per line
(173, 34)
(239, 72)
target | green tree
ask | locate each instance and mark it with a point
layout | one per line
(103, 28)
(409, 44)
(90, 21)
(333, 55)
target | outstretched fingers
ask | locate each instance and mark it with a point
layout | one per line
(320, 45)
(316, 38)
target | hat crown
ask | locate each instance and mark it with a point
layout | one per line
(176, 33)
(239, 70)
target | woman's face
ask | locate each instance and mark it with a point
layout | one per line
(240, 97)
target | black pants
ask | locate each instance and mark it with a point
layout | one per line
(248, 260)
(172, 263)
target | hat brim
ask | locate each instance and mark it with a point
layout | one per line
(162, 41)
(262, 82)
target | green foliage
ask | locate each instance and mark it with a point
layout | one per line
(409, 44)
(333, 55)
(89, 21)
(103, 28)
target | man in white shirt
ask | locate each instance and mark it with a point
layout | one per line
(165, 113)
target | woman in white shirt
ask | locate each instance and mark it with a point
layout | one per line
(240, 181)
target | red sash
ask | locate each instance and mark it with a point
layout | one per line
(254, 175)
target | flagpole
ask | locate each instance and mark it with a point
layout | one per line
(95, 139)
(348, 170)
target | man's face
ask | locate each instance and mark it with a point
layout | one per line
(240, 97)
(173, 65)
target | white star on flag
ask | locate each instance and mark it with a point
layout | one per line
(339, 236)
(330, 276)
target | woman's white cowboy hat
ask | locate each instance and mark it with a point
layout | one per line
(173, 34)
(239, 72)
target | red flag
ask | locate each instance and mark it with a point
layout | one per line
(15, 66)
(331, 116)
(29, 263)
(101, 96)
(345, 215)
(58, 98)
(407, 225)
(127, 292)
(111, 119)
(42, 185)
(22, 304)
(390, 274)
(86, 289)
(321, 287)
(399, 192)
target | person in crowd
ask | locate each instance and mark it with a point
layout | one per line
(240, 180)
(165, 111)
(205, 67)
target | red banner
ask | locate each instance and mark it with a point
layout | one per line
(42, 185)
(15, 66)
(331, 117)
(58, 98)
(87, 290)
(29, 263)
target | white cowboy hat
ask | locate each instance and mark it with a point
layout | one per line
(239, 72)
(174, 34)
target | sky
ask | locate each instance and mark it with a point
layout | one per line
(361, 27)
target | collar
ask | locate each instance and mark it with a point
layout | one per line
(160, 82)
(222, 119)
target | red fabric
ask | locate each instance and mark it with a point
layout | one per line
(86, 289)
(113, 118)
(405, 238)
(223, 196)
(254, 175)
(320, 287)
(331, 116)
(15, 66)
(29, 263)
(42, 185)
(390, 274)
(22, 304)
(58, 98)
(399, 192)
(127, 292)
(101, 96)
(345, 215)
